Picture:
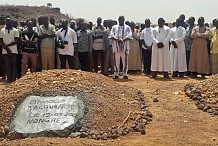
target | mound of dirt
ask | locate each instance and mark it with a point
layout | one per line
(112, 110)
(205, 94)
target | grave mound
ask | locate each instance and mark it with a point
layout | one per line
(68, 103)
(204, 94)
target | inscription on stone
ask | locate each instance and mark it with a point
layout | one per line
(38, 114)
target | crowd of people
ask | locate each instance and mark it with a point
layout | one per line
(109, 47)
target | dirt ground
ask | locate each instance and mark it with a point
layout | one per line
(176, 120)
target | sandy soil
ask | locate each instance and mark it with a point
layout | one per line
(176, 120)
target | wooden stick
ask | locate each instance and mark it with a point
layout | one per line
(124, 120)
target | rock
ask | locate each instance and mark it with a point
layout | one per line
(114, 136)
(140, 93)
(133, 126)
(84, 135)
(215, 113)
(143, 106)
(83, 129)
(4, 140)
(200, 106)
(105, 136)
(188, 93)
(149, 114)
(109, 128)
(199, 98)
(114, 131)
(14, 135)
(205, 108)
(148, 119)
(192, 95)
(198, 92)
(210, 111)
(155, 100)
(144, 121)
(143, 132)
(74, 135)
(138, 118)
(125, 131)
(99, 137)
(195, 97)
(202, 100)
(94, 136)
(101, 132)
(46, 116)
(2, 134)
(140, 127)
(114, 127)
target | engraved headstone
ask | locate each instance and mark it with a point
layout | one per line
(41, 116)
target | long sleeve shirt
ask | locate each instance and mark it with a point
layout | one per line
(85, 41)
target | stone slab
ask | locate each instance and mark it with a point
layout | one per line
(38, 114)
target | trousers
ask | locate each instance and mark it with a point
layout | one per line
(124, 57)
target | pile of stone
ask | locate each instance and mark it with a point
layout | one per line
(99, 108)
(204, 94)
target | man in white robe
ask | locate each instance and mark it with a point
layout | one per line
(120, 34)
(160, 60)
(177, 50)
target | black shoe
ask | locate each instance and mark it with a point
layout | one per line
(166, 76)
(106, 75)
(153, 77)
(181, 74)
(193, 75)
(125, 77)
(174, 75)
(188, 73)
(115, 77)
(203, 77)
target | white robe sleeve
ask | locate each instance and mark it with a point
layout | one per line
(128, 33)
(142, 35)
(171, 35)
(16, 33)
(155, 41)
(182, 38)
(112, 35)
(74, 36)
(166, 41)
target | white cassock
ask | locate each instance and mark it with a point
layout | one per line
(160, 59)
(120, 50)
(178, 55)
